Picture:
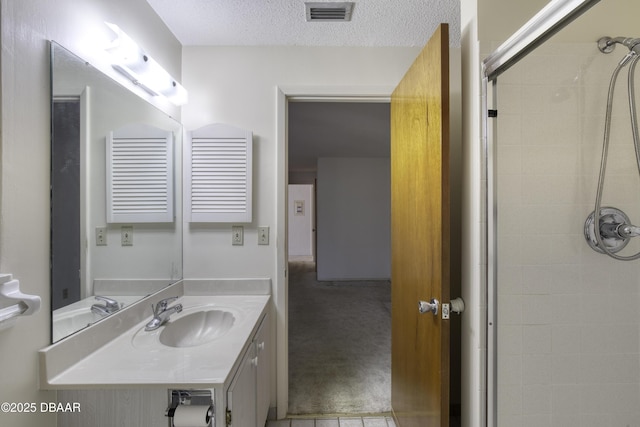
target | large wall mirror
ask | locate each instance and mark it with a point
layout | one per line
(115, 163)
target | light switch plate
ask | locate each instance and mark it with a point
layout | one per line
(101, 236)
(263, 235)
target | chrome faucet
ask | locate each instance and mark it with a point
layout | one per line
(161, 313)
(109, 306)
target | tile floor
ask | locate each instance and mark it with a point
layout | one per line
(382, 421)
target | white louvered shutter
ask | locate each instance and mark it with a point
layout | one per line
(140, 175)
(219, 174)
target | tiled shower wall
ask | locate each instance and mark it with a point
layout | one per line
(568, 317)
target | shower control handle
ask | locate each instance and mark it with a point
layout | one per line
(428, 307)
(628, 230)
(615, 230)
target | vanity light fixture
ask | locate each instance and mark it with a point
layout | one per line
(130, 60)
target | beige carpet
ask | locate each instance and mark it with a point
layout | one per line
(339, 344)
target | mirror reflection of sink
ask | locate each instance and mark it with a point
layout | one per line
(197, 328)
(78, 315)
(69, 322)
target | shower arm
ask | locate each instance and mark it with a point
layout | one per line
(607, 44)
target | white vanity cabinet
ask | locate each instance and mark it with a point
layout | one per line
(263, 386)
(101, 367)
(248, 395)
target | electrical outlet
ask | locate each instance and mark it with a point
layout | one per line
(263, 235)
(126, 235)
(101, 236)
(237, 235)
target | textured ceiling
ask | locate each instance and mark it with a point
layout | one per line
(283, 23)
(316, 129)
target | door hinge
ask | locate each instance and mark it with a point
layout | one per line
(228, 416)
(492, 113)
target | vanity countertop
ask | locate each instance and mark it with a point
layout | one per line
(137, 359)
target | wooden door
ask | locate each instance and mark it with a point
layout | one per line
(420, 238)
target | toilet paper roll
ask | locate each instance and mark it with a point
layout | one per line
(192, 416)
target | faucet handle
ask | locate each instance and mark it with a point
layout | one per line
(162, 304)
(110, 303)
(165, 302)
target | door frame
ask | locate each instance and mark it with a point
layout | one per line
(284, 95)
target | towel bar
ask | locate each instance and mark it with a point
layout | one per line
(23, 304)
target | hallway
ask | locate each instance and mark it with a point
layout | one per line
(339, 345)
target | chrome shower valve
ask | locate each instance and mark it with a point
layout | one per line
(614, 227)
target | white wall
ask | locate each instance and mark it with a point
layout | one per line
(354, 218)
(156, 252)
(238, 86)
(157, 249)
(301, 223)
(247, 87)
(25, 127)
(473, 344)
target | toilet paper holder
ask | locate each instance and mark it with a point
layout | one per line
(188, 398)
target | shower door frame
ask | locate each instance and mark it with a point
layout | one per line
(551, 19)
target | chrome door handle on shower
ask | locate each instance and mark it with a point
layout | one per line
(428, 307)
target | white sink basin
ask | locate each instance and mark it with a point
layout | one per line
(194, 326)
(197, 328)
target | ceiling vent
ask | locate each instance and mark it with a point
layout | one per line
(329, 12)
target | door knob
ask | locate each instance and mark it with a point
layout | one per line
(428, 307)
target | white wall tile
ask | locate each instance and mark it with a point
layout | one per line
(536, 339)
(536, 399)
(565, 279)
(536, 280)
(564, 420)
(536, 369)
(566, 398)
(565, 368)
(576, 310)
(536, 309)
(509, 159)
(536, 420)
(566, 338)
(550, 131)
(510, 309)
(566, 308)
(511, 339)
(510, 399)
(510, 369)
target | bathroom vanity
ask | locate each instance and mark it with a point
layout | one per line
(219, 342)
